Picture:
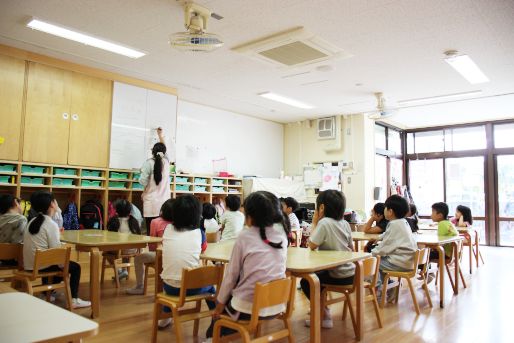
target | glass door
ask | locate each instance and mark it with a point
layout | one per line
(505, 187)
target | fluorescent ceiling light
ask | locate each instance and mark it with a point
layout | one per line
(63, 32)
(438, 97)
(285, 100)
(465, 66)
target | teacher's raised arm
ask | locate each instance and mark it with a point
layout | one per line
(155, 177)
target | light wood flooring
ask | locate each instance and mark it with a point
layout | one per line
(480, 313)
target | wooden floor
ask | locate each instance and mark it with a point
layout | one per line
(480, 313)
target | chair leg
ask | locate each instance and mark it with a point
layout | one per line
(67, 294)
(427, 293)
(462, 278)
(450, 276)
(481, 258)
(104, 260)
(352, 315)
(345, 310)
(177, 325)
(145, 280)
(28, 286)
(116, 274)
(384, 290)
(258, 331)
(156, 308)
(397, 290)
(413, 294)
(377, 309)
(287, 324)
(197, 321)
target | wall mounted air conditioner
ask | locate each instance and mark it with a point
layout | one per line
(327, 128)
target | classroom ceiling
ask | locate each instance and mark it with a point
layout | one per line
(397, 48)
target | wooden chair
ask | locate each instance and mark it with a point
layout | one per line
(448, 262)
(10, 251)
(473, 244)
(115, 259)
(148, 265)
(44, 259)
(421, 256)
(213, 237)
(370, 267)
(191, 278)
(269, 294)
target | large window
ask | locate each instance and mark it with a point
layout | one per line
(504, 136)
(388, 160)
(426, 184)
(505, 172)
(381, 176)
(452, 139)
(465, 184)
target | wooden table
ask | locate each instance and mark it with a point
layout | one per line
(303, 263)
(94, 241)
(4, 288)
(436, 242)
(30, 319)
(358, 237)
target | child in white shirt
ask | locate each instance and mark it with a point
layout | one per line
(232, 221)
(209, 223)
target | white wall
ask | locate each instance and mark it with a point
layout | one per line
(302, 147)
(251, 146)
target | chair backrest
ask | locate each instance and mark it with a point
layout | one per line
(50, 257)
(200, 277)
(269, 294)
(213, 237)
(424, 259)
(370, 267)
(11, 251)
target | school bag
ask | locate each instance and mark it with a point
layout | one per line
(70, 217)
(111, 211)
(91, 215)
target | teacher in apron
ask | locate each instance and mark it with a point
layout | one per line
(155, 177)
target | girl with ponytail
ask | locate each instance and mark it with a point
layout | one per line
(43, 234)
(155, 177)
(259, 255)
(329, 231)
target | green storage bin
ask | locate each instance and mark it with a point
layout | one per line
(136, 176)
(180, 179)
(171, 178)
(200, 180)
(32, 170)
(200, 189)
(7, 168)
(218, 190)
(218, 182)
(137, 186)
(90, 183)
(32, 180)
(5, 178)
(181, 188)
(91, 173)
(116, 184)
(119, 176)
(62, 182)
(64, 171)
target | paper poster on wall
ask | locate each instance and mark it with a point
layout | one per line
(313, 176)
(330, 178)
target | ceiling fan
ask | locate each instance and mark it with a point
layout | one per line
(196, 38)
(382, 110)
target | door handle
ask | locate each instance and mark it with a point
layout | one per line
(75, 116)
(65, 116)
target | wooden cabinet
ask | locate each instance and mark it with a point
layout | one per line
(12, 78)
(90, 121)
(67, 118)
(47, 115)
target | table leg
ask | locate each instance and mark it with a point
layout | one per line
(356, 244)
(477, 244)
(457, 262)
(359, 299)
(315, 298)
(470, 241)
(94, 282)
(440, 250)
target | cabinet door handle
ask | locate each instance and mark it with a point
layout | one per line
(75, 116)
(65, 116)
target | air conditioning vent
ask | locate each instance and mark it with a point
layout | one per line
(292, 48)
(326, 128)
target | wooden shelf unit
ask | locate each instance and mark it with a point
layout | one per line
(212, 186)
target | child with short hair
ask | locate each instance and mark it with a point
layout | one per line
(43, 233)
(157, 228)
(209, 223)
(123, 222)
(377, 217)
(439, 215)
(232, 221)
(330, 232)
(12, 221)
(182, 244)
(412, 218)
(397, 244)
(289, 205)
(259, 255)
(463, 217)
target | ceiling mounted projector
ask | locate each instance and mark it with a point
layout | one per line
(196, 38)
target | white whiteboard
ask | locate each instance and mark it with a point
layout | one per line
(136, 113)
(250, 146)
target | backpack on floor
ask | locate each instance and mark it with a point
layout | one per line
(91, 215)
(70, 217)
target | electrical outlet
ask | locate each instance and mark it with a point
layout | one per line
(348, 131)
